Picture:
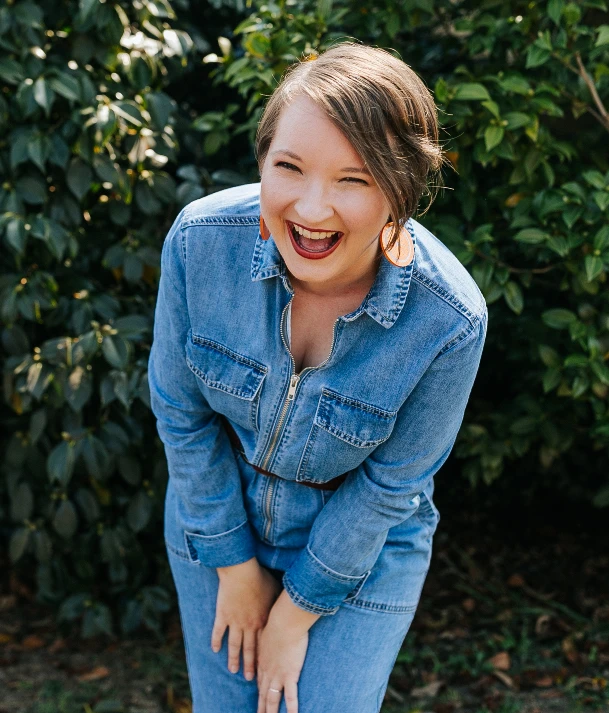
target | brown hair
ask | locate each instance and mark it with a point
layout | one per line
(383, 108)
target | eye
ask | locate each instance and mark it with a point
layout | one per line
(350, 179)
(287, 165)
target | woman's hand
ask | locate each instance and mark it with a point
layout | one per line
(282, 647)
(246, 595)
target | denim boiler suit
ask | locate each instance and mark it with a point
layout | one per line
(385, 407)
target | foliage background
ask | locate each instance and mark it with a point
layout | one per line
(115, 115)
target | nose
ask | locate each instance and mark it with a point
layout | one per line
(312, 205)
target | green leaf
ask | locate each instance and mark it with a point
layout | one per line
(65, 522)
(43, 546)
(555, 10)
(38, 150)
(66, 85)
(513, 297)
(31, 189)
(87, 502)
(11, 71)
(595, 179)
(471, 91)
(145, 199)
(551, 379)
(493, 136)
(549, 356)
(601, 371)
(559, 244)
(601, 198)
(79, 177)
(116, 351)
(43, 95)
(60, 463)
(73, 607)
(38, 422)
(87, 7)
(18, 543)
(601, 239)
(131, 327)
(139, 511)
(15, 235)
(580, 385)
(96, 457)
(160, 106)
(516, 84)
(594, 267)
(536, 56)
(533, 236)
(79, 387)
(603, 36)
(22, 503)
(129, 111)
(516, 120)
(105, 169)
(493, 107)
(558, 318)
(572, 13)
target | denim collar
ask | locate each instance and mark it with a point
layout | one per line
(384, 301)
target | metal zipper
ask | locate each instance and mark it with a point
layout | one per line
(294, 381)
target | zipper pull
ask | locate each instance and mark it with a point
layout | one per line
(293, 384)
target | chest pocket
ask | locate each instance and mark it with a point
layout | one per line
(344, 432)
(230, 382)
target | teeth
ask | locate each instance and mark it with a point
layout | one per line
(311, 236)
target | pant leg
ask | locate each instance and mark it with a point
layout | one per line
(351, 653)
(349, 660)
(214, 689)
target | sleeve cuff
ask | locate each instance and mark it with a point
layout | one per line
(313, 586)
(223, 550)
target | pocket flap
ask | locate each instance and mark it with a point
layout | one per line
(356, 422)
(221, 368)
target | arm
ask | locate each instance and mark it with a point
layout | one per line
(350, 531)
(200, 458)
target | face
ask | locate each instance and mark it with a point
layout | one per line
(320, 203)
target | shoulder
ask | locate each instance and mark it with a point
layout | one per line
(437, 270)
(239, 205)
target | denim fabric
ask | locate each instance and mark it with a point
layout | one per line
(384, 407)
(351, 654)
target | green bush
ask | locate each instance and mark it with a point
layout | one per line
(88, 133)
(522, 90)
(109, 125)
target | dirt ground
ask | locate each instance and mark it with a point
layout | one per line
(508, 623)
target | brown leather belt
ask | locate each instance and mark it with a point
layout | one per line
(234, 439)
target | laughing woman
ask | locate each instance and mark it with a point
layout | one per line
(314, 351)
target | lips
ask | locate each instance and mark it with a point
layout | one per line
(308, 246)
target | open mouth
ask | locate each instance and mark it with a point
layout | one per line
(313, 242)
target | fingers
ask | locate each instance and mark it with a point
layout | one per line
(269, 696)
(217, 634)
(235, 637)
(291, 696)
(249, 654)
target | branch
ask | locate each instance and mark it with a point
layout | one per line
(601, 115)
(592, 88)
(500, 263)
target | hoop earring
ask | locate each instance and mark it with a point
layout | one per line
(265, 233)
(402, 252)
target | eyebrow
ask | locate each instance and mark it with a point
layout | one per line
(349, 169)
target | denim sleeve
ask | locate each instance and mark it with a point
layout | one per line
(351, 529)
(200, 459)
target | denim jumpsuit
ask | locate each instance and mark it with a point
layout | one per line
(384, 408)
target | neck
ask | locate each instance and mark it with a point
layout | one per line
(351, 285)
